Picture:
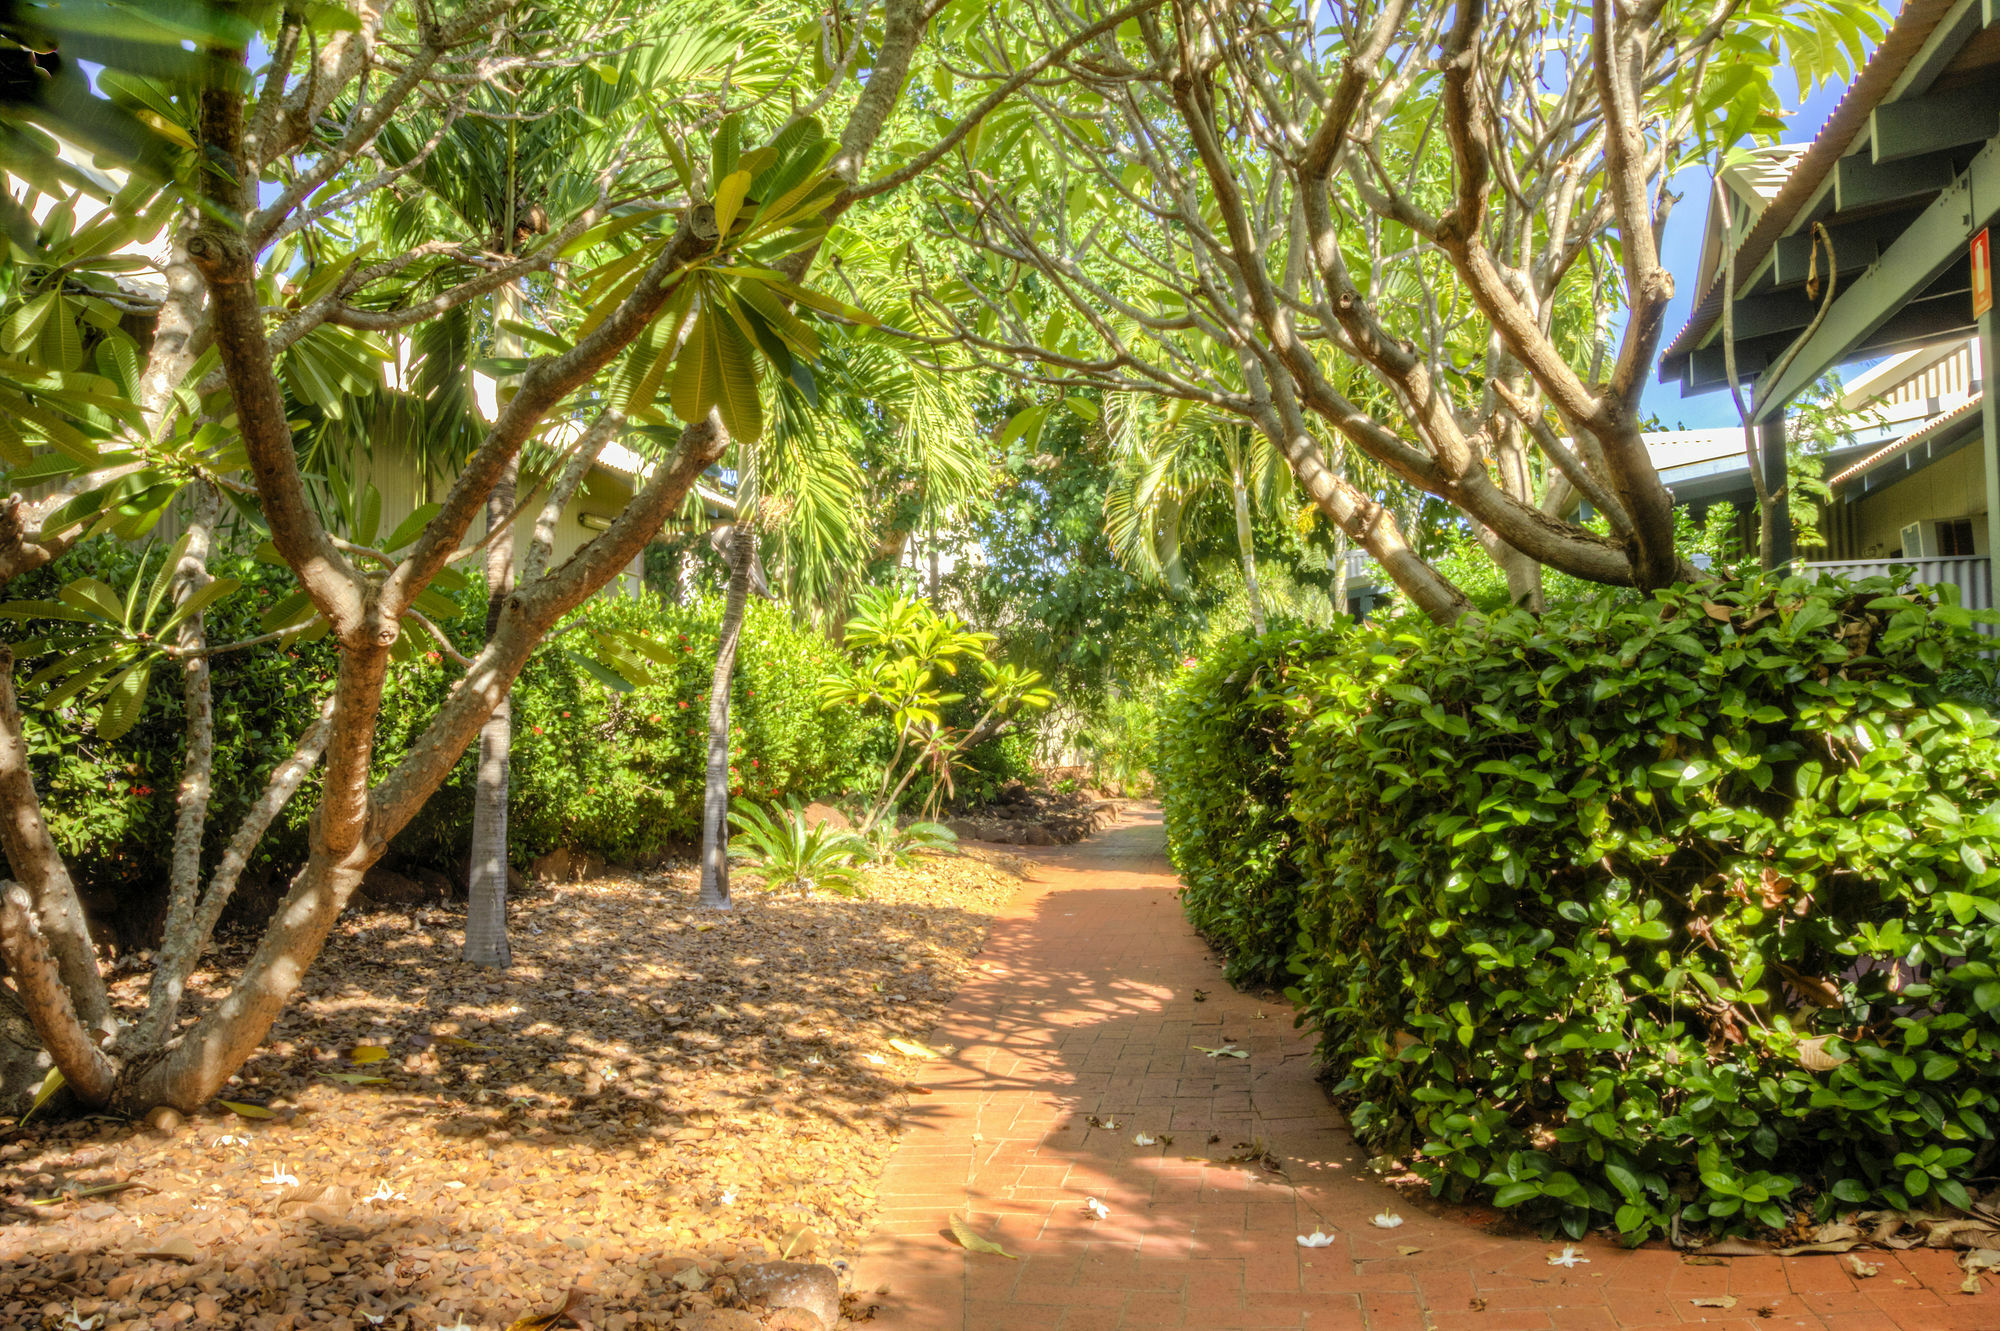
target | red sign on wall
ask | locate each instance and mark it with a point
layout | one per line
(1982, 274)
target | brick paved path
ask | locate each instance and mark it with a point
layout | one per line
(1086, 1007)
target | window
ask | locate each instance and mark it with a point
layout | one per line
(1955, 537)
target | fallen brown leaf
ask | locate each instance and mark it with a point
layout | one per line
(177, 1248)
(544, 1321)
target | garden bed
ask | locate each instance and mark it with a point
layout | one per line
(649, 1087)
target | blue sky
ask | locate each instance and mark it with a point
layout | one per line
(1680, 247)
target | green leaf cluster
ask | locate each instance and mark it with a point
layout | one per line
(1681, 907)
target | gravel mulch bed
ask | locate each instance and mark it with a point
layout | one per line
(649, 1089)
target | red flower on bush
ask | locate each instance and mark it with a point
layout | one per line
(538, 730)
(142, 791)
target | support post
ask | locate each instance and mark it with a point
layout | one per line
(1989, 418)
(1771, 456)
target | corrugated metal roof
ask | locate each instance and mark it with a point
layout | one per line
(1900, 45)
(1930, 429)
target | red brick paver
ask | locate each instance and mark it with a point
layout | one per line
(1086, 1008)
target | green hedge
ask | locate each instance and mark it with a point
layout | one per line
(1225, 734)
(1674, 906)
(619, 774)
(1671, 904)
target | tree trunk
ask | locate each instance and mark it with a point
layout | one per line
(352, 824)
(38, 866)
(715, 800)
(486, 891)
(1367, 522)
(486, 874)
(1241, 498)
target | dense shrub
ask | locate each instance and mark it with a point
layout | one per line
(1225, 733)
(1674, 904)
(615, 773)
(110, 806)
(620, 773)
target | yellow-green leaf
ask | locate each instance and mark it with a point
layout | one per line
(94, 596)
(729, 200)
(354, 1078)
(742, 410)
(973, 1241)
(368, 1053)
(123, 703)
(45, 1092)
(242, 1110)
(697, 379)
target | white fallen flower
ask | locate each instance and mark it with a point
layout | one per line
(1098, 1210)
(1317, 1239)
(384, 1193)
(876, 1059)
(456, 1326)
(1144, 1139)
(229, 1139)
(1386, 1220)
(281, 1177)
(1571, 1255)
(728, 1198)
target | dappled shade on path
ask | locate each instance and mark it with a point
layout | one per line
(1095, 1004)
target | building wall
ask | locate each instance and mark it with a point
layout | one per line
(1954, 487)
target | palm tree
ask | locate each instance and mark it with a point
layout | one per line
(1175, 468)
(869, 440)
(715, 794)
(890, 447)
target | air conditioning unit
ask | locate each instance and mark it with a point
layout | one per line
(1919, 541)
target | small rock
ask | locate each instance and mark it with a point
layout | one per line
(806, 1285)
(825, 815)
(724, 1319)
(207, 1309)
(690, 1278)
(165, 1120)
(1034, 834)
(792, 1319)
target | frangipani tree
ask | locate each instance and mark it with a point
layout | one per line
(684, 260)
(906, 655)
(1394, 223)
